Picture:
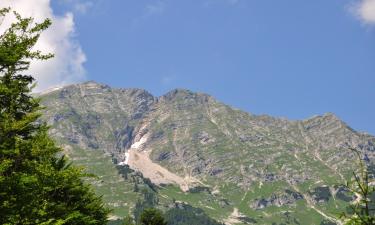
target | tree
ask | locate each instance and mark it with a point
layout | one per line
(152, 216)
(362, 210)
(128, 221)
(183, 214)
(37, 184)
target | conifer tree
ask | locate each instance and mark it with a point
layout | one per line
(37, 185)
(152, 216)
(362, 210)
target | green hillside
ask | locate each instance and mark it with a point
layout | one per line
(237, 167)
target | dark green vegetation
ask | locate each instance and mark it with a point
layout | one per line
(362, 210)
(238, 167)
(182, 214)
(152, 217)
(175, 213)
(36, 186)
(149, 216)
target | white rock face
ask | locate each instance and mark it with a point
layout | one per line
(50, 90)
(138, 144)
(126, 162)
(127, 155)
(140, 161)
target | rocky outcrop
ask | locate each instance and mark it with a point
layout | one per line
(320, 194)
(288, 197)
(195, 135)
(194, 138)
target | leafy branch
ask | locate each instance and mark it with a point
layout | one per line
(362, 186)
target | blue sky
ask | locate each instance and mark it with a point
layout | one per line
(292, 59)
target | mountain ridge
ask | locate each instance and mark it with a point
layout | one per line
(212, 150)
(174, 91)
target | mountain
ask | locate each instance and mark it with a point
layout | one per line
(189, 148)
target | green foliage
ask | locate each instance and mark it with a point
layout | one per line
(152, 216)
(116, 222)
(362, 211)
(183, 214)
(149, 200)
(128, 221)
(36, 186)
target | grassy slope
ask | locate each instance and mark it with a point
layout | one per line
(282, 151)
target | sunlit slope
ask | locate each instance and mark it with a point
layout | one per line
(238, 167)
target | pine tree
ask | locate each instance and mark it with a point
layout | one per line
(37, 184)
(362, 210)
(128, 221)
(152, 216)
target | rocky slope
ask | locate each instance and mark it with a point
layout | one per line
(238, 167)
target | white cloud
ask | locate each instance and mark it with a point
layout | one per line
(80, 6)
(365, 10)
(67, 65)
(83, 7)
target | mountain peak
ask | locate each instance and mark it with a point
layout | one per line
(178, 92)
(325, 117)
(185, 134)
(93, 84)
(184, 94)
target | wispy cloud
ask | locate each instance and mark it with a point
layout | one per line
(228, 2)
(80, 6)
(167, 80)
(151, 9)
(365, 11)
(67, 65)
(83, 7)
(233, 2)
(155, 8)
